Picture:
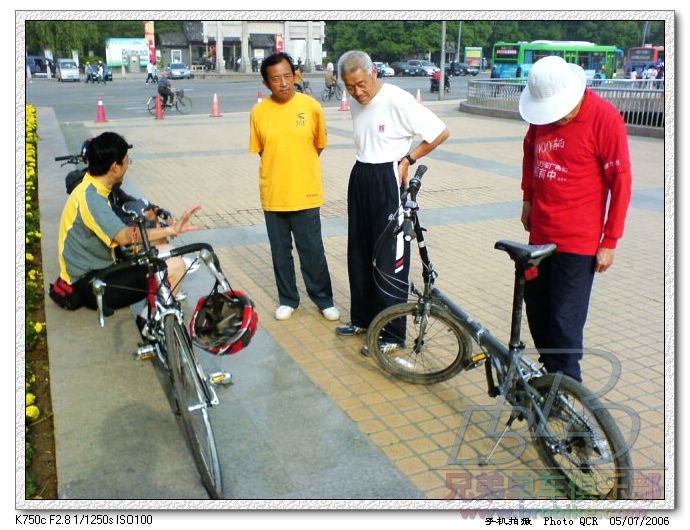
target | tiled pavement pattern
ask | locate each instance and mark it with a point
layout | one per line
(470, 198)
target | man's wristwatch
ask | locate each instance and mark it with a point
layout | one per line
(410, 159)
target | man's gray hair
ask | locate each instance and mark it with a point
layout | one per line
(354, 60)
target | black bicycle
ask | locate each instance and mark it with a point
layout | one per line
(167, 341)
(429, 340)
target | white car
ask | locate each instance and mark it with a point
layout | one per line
(66, 70)
(384, 70)
(179, 71)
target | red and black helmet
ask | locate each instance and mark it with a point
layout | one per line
(223, 323)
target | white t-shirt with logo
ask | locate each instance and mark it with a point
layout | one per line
(385, 128)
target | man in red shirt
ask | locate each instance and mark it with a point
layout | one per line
(576, 182)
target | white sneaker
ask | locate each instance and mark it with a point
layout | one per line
(284, 312)
(331, 313)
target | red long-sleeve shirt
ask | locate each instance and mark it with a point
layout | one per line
(578, 179)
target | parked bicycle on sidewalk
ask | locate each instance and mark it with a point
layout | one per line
(429, 340)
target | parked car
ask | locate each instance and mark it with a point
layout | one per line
(383, 69)
(421, 67)
(66, 70)
(179, 71)
(38, 65)
(401, 68)
(91, 69)
(457, 69)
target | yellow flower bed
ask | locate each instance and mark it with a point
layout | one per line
(33, 277)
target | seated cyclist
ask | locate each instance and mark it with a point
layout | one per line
(90, 231)
(156, 216)
(165, 88)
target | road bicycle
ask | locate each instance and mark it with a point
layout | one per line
(429, 340)
(168, 342)
(180, 102)
(332, 91)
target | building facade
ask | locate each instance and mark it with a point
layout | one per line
(244, 43)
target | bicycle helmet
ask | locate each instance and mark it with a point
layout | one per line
(223, 323)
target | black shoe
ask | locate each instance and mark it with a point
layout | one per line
(349, 330)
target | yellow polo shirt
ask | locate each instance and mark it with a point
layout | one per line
(288, 137)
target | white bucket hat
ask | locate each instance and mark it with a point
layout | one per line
(554, 88)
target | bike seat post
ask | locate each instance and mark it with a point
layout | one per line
(518, 299)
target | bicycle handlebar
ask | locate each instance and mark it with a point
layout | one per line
(416, 182)
(408, 224)
(70, 159)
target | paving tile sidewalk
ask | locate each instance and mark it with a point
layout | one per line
(470, 198)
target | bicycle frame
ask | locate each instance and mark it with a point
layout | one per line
(507, 361)
(572, 430)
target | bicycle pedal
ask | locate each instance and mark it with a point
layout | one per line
(221, 378)
(145, 352)
(475, 361)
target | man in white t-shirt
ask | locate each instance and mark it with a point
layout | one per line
(386, 120)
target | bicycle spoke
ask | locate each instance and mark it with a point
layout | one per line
(193, 398)
(580, 441)
(418, 347)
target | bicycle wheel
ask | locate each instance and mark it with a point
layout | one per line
(307, 91)
(151, 105)
(582, 445)
(338, 91)
(418, 347)
(191, 396)
(326, 94)
(183, 105)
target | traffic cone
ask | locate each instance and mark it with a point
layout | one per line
(259, 97)
(215, 107)
(159, 107)
(100, 114)
(344, 105)
(419, 96)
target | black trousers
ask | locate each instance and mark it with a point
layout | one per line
(557, 302)
(165, 94)
(124, 288)
(305, 227)
(373, 194)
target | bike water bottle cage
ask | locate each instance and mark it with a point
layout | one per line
(224, 323)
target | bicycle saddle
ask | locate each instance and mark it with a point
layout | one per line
(522, 253)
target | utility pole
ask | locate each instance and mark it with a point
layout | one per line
(645, 30)
(457, 49)
(442, 62)
(220, 60)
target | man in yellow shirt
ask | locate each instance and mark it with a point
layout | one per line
(288, 131)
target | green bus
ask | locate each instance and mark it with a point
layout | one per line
(507, 57)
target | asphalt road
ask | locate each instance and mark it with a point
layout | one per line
(126, 97)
